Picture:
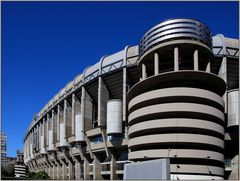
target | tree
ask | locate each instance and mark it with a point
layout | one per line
(38, 175)
(8, 171)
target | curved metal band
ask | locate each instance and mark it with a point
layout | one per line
(175, 29)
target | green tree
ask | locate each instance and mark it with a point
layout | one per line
(8, 171)
(38, 175)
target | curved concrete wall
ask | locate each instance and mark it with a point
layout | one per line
(174, 113)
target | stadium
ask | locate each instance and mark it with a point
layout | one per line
(174, 95)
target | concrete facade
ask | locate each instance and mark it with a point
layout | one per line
(174, 104)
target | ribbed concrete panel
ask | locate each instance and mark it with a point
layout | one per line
(175, 107)
(180, 123)
(194, 177)
(180, 153)
(198, 169)
(176, 92)
(175, 138)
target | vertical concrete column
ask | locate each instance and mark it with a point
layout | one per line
(53, 171)
(97, 168)
(38, 137)
(68, 118)
(195, 60)
(54, 128)
(223, 74)
(113, 167)
(63, 126)
(46, 131)
(73, 114)
(49, 171)
(71, 170)
(144, 72)
(64, 171)
(59, 171)
(86, 169)
(103, 97)
(125, 79)
(176, 59)
(58, 122)
(42, 143)
(156, 64)
(208, 68)
(86, 109)
(76, 167)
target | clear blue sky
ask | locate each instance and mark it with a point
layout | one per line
(46, 44)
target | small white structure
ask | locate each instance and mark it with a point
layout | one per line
(233, 101)
(114, 116)
(79, 128)
(154, 169)
(63, 141)
(50, 140)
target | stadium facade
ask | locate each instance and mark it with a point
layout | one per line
(175, 95)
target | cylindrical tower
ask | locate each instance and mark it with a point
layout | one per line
(114, 117)
(176, 111)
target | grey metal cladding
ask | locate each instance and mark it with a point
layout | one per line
(175, 29)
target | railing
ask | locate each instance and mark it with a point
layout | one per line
(228, 162)
(106, 166)
(91, 167)
(120, 164)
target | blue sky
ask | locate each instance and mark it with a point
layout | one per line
(46, 44)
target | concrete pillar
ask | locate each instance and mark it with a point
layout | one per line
(46, 131)
(54, 169)
(195, 60)
(156, 64)
(113, 166)
(86, 109)
(73, 114)
(64, 171)
(97, 168)
(58, 122)
(125, 84)
(176, 59)
(103, 97)
(67, 119)
(54, 127)
(59, 171)
(144, 72)
(223, 74)
(71, 170)
(76, 167)
(50, 171)
(208, 68)
(86, 169)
